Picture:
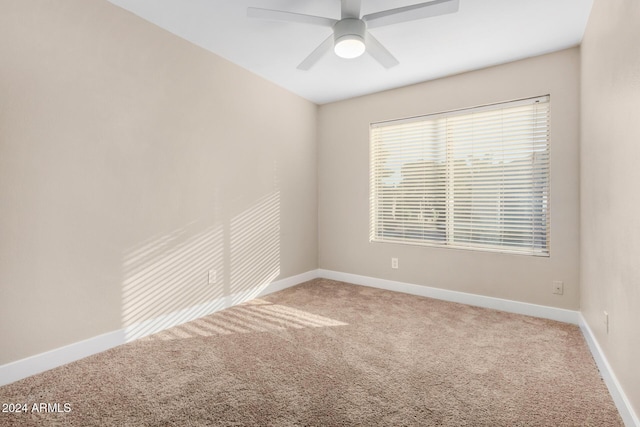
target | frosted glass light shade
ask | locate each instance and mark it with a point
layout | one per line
(349, 46)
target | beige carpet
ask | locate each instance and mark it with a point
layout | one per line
(327, 353)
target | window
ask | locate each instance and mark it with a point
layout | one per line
(474, 179)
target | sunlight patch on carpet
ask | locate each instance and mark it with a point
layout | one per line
(256, 316)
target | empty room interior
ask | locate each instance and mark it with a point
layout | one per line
(356, 212)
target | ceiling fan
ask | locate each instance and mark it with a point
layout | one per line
(350, 37)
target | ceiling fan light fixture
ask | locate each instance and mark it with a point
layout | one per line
(349, 47)
(349, 38)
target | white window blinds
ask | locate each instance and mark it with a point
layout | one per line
(475, 178)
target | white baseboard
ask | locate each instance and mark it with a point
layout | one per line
(38, 363)
(32, 365)
(623, 404)
(559, 314)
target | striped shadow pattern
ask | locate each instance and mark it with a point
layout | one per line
(254, 316)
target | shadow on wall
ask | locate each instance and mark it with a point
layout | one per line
(192, 272)
(255, 248)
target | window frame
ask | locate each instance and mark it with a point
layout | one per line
(538, 183)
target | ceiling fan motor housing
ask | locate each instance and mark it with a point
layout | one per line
(348, 36)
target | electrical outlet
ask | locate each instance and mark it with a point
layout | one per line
(558, 287)
(212, 276)
(394, 263)
(606, 321)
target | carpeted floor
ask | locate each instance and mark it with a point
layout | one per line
(326, 353)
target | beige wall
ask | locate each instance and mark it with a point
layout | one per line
(610, 176)
(343, 156)
(132, 162)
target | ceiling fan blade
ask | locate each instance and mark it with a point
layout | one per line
(280, 15)
(410, 13)
(317, 53)
(350, 8)
(380, 53)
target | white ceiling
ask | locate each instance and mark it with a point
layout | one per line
(482, 33)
